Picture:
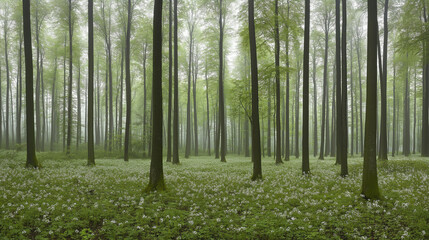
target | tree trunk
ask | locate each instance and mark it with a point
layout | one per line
(383, 85)
(344, 105)
(170, 79)
(221, 93)
(339, 125)
(70, 97)
(315, 143)
(5, 27)
(79, 118)
(31, 150)
(256, 143)
(277, 62)
(176, 93)
(305, 93)
(156, 179)
(287, 138)
(195, 77)
(406, 129)
(91, 157)
(297, 108)
(188, 108)
(369, 178)
(208, 111)
(19, 94)
(325, 91)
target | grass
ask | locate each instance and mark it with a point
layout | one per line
(207, 199)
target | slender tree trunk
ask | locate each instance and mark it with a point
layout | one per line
(221, 93)
(79, 117)
(256, 143)
(339, 115)
(19, 94)
(415, 114)
(394, 110)
(64, 93)
(31, 150)
(91, 157)
(5, 27)
(406, 114)
(305, 93)
(344, 105)
(176, 93)
(358, 51)
(277, 62)
(297, 108)
(70, 97)
(352, 99)
(194, 83)
(145, 138)
(208, 110)
(269, 121)
(315, 140)
(188, 108)
(287, 142)
(383, 85)
(170, 79)
(42, 144)
(325, 92)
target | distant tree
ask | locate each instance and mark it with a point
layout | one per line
(31, 148)
(91, 157)
(305, 102)
(256, 141)
(176, 92)
(156, 179)
(369, 179)
(128, 83)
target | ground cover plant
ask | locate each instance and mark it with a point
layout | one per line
(207, 199)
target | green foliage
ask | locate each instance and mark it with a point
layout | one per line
(209, 200)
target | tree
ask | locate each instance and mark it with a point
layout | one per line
(338, 123)
(176, 93)
(156, 179)
(326, 18)
(344, 111)
(170, 80)
(191, 27)
(305, 92)
(70, 97)
(31, 148)
(221, 88)
(369, 178)
(91, 158)
(256, 141)
(383, 85)
(128, 83)
(6, 28)
(277, 62)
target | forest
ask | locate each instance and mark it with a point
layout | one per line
(214, 119)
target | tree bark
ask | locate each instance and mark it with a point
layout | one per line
(70, 97)
(305, 93)
(91, 157)
(277, 62)
(176, 93)
(369, 179)
(383, 85)
(170, 79)
(31, 149)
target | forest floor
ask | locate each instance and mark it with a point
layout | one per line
(207, 199)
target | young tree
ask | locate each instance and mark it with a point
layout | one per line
(305, 92)
(277, 62)
(383, 85)
(221, 87)
(176, 92)
(91, 158)
(128, 84)
(156, 179)
(170, 79)
(70, 97)
(31, 148)
(369, 178)
(344, 111)
(338, 122)
(256, 141)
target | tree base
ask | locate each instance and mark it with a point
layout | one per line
(157, 186)
(256, 177)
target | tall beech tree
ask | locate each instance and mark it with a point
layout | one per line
(31, 147)
(256, 141)
(222, 124)
(176, 92)
(277, 62)
(383, 86)
(70, 92)
(305, 92)
(91, 157)
(369, 178)
(156, 179)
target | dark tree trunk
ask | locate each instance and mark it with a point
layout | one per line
(221, 93)
(383, 85)
(91, 157)
(188, 108)
(156, 179)
(369, 178)
(256, 143)
(425, 98)
(344, 105)
(325, 101)
(277, 61)
(176, 93)
(305, 93)
(5, 27)
(19, 94)
(339, 115)
(170, 79)
(31, 149)
(208, 111)
(315, 140)
(70, 97)
(406, 128)
(287, 138)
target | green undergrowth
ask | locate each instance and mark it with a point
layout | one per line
(207, 199)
